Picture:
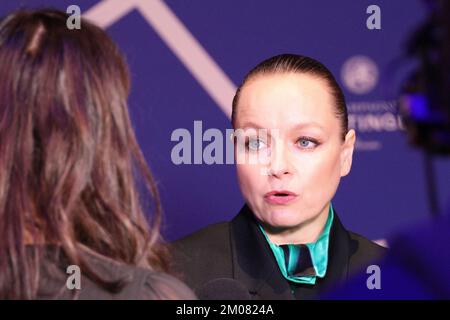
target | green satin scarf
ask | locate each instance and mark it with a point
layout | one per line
(293, 259)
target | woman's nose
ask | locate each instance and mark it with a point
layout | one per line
(279, 163)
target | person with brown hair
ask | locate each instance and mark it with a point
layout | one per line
(71, 168)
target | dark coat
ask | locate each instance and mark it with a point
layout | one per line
(238, 250)
(139, 283)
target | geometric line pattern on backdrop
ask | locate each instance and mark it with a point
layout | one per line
(178, 38)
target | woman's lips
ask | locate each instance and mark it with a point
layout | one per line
(279, 197)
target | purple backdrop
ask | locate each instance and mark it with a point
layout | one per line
(385, 190)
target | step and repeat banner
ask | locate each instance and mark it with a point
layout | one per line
(187, 58)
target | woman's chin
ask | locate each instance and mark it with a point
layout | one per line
(283, 218)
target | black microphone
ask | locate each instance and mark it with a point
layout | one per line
(223, 289)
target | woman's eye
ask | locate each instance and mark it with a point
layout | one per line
(255, 144)
(307, 143)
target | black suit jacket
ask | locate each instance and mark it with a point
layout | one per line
(238, 250)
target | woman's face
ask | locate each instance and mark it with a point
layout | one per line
(291, 170)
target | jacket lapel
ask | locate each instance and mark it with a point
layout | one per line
(255, 266)
(253, 261)
(338, 261)
(338, 252)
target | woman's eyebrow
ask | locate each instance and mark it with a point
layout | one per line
(298, 126)
(304, 125)
(250, 125)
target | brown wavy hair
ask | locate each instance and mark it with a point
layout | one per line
(71, 170)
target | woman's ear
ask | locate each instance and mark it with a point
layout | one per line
(347, 152)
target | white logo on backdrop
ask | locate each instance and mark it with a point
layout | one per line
(359, 74)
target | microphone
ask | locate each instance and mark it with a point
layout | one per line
(223, 289)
